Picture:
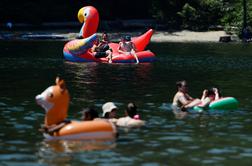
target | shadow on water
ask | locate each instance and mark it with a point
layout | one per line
(220, 138)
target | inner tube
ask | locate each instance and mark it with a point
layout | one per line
(225, 103)
(85, 130)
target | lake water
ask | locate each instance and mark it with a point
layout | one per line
(211, 138)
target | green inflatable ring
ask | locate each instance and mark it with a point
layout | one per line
(225, 103)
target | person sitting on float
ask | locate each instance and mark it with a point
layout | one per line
(110, 112)
(127, 47)
(182, 100)
(131, 119)
(101, 48)
(208, 96)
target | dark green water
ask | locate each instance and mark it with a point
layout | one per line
(211, 138)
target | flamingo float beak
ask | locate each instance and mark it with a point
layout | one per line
(81, 15)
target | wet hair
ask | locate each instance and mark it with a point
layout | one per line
(131, 109)
(127, 38)
(179, 84)
(89, 113)
(210, 91)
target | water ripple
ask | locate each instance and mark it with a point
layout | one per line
(221, 150)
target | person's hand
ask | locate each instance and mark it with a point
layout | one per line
(205, 92)
(215, 90)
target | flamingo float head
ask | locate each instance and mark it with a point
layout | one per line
(89, 16)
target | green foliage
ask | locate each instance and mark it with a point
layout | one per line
(189, 16)
(201, 14)
(176, 14)
(165, 11)
(198, 15)
(234, 13)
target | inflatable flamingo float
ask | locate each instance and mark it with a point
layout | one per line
(78, 50)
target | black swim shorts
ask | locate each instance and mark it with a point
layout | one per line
(100, 55)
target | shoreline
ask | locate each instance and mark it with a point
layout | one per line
(183, 36)
(192, 36)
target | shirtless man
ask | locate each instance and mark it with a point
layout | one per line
(182, 100)
(126, 46)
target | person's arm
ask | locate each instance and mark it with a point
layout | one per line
(188, 103)
(203, 95)
(192, 103)
(189, 97)
(93, 49)
(184, 102)
(217, 95)
(120, 51)
(134, 47)
(182, 99)
(120, 48)
(205, 102)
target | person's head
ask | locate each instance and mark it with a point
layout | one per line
(89, 114)
(105, 36)
(182, 86)
(131, 110)
(109, 110)
(212, 91)
(127, 38)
